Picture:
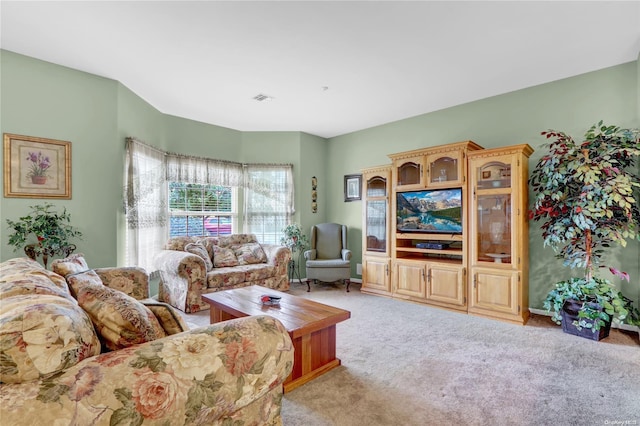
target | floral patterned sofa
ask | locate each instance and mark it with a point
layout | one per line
(192, 266)
(86, 351)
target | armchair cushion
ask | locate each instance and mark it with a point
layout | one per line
(329, 242)
(328, 263)
(120, 320)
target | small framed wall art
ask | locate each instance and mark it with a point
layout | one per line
(352, 187)
(314, 194)
(36, 167)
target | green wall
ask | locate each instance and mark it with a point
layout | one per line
(96, 114)
(40, 99)
(571, 105)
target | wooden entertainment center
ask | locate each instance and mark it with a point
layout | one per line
(419, 213)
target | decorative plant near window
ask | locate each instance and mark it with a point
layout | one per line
(44, 232)
(294, 238)
(587, 198)
(297, 243)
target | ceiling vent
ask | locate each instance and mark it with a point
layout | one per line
(262, 97)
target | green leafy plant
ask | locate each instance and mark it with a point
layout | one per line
(294, 238)
(601, 303)
(43, 232)
(586, 196)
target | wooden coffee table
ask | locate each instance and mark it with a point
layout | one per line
(311, 326)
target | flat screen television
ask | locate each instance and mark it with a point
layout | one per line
(437, 211)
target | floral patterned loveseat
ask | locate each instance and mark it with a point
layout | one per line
(82, 352)
(192, 266)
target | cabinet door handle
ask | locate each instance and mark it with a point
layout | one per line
(386, 269)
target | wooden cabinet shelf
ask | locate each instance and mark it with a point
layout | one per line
(450, 252)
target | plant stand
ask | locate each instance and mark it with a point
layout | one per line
(570, 314)
(294, 270)
(31, 251)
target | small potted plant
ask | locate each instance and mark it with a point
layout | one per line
(43, 232)
(586, 194)
(297, 242)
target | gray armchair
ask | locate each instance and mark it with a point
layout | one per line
(329, 259)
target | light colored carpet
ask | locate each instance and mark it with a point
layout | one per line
(410, 364)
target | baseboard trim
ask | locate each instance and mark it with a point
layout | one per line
(627, 327)
(353, 280)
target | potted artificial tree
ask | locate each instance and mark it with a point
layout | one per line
(297, 242)
(586, 194)
(43, 232)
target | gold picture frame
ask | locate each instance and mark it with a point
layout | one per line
(36, 167)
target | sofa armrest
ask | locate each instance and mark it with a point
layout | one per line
(203, 376)
(133, 281)
(310, 254)
(279, 256)
(183, 276)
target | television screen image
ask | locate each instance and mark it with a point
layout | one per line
(430, 211)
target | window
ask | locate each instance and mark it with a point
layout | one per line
(178, 195)
(201, 210)
(268, 201)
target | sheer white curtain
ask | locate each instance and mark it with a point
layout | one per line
(269, 200)
(206, 171)
(145, 203)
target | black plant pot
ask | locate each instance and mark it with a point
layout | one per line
(570, 314)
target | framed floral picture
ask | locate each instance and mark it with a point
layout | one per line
(352, 187)
(36, 167)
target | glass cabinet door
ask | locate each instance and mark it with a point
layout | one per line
(443, 169)
(409, 173)
(493, 216)
(494, 174)
(376, 214)
(376, 225)
(376, 187)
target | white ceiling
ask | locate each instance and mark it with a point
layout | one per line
(381, 61)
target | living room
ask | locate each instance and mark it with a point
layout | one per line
(96, 114)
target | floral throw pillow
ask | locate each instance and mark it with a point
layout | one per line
(250, 253)
(70, 265)
(169, 319)
(223, 256)
(200, 250)
(41, 335)
(121, 321)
